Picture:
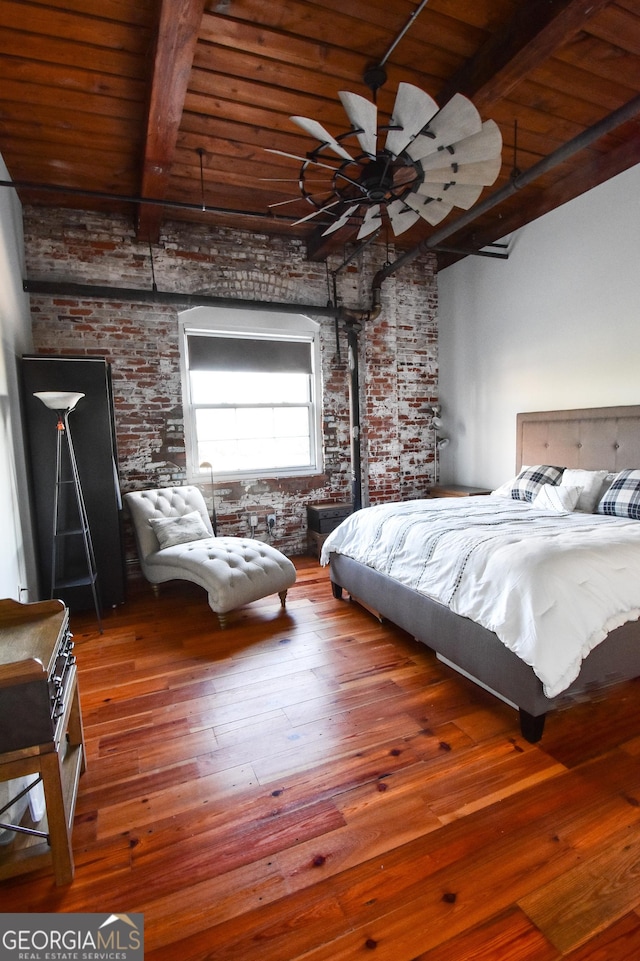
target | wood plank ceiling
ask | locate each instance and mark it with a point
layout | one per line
(160, 108)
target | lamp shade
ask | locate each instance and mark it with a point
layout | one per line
(59, 399)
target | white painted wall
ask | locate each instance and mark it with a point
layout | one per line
(17, 564)
(557, 326)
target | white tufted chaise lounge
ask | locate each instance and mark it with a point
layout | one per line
(233, 570)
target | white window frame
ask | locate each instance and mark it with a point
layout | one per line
(254, 325)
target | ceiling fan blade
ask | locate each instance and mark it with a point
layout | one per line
(412, 110)
(364, 118)
(283, 203)
(483, 172)
(315, 213)
(316, 130)
(372, 220)
(401, 216)
(433, 211)
(457, 120)
(342, 220)
(460, 195)
(306, 160)
(288, 180)
(484, 145)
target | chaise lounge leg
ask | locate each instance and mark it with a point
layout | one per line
(222, 621)
(531, 727)
(283, 598)
(156, 590)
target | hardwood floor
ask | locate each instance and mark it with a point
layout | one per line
(313, 784)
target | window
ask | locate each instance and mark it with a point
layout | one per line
(250, 391)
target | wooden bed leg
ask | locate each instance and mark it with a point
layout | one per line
(531, 727)
(336, 590)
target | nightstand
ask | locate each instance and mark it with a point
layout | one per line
(456, 490)
(321, 520)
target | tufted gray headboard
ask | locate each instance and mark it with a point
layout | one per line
(605, 438)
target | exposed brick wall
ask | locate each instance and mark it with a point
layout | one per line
(398, 353)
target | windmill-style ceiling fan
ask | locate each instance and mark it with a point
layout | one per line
(431, 161)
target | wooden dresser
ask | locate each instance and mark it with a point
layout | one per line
(41, 736)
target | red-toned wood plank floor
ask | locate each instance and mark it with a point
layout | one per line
(312, 784)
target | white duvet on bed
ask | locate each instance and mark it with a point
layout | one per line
(550, 586)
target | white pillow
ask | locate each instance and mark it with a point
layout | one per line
(179, 530)
(505, 489)
(591, 483)
(606, 484)
(559, 498)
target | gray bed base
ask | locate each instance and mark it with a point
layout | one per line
(598, 438)
(478, 652)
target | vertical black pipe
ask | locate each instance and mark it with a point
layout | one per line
(354, 417)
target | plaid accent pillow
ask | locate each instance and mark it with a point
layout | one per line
(623, 497)
(529, 481)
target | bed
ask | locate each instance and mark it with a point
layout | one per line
(416, 594)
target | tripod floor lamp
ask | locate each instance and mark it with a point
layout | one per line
(70, 567)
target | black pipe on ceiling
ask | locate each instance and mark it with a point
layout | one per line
(412, 18)
(497, 255)
(170, 297)
(139, 201)
(622, 115)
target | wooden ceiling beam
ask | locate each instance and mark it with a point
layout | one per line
(533, 35)
(177, 38)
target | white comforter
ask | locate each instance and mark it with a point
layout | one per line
(550, 586)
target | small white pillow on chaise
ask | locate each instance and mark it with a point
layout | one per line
(171, 531)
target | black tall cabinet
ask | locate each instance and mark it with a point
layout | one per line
(92, 427)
